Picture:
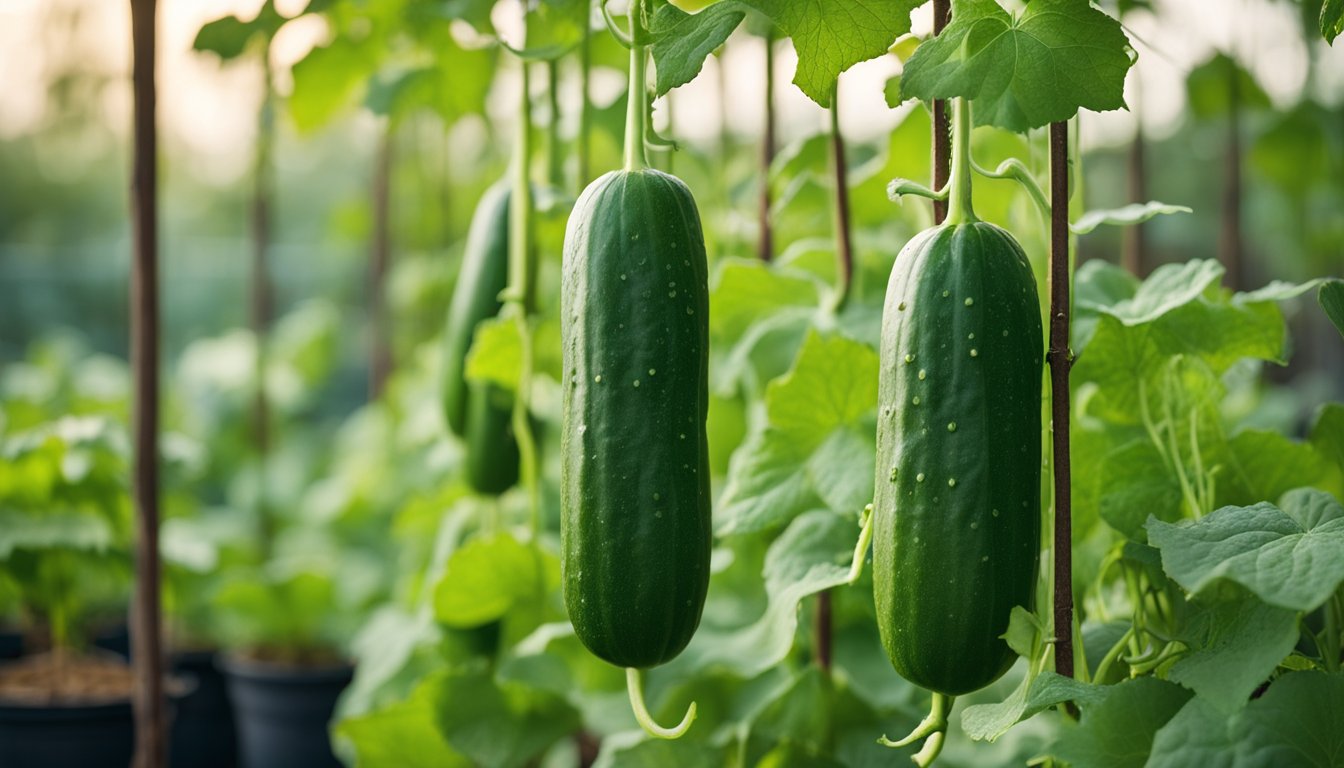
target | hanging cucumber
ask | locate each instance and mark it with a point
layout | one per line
(635, 501)
(481, 413)
(957, 492)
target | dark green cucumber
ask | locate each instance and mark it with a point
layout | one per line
(480, 414)
(484, 274)
(635, 500)
(957, 496)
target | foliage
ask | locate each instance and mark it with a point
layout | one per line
(1206, 509)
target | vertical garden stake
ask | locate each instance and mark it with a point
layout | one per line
(145, 619)
(844, 251)
(380, 252)
(942, 125)
(765, 244)
(1061, 359)
(260, 290)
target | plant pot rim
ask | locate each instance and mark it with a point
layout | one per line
(242, 666)
(14, 709)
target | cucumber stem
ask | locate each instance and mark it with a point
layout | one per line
(959, 209)
(634, 683)
(636, 112)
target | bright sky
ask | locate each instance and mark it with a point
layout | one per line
(208, 110)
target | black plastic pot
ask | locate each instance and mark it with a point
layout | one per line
(282, 712)
(203, 733)
(87, 736)
(11, 644)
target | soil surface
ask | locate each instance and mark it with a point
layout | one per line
(61, 678)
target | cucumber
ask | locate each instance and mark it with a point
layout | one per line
(484, 274)
(480, 414)
(635, 501)
(957, 494)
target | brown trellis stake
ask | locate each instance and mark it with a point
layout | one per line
(1061, 359)
(942, 122)
(146, 645)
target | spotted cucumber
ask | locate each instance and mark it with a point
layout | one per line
(635, 498)
(957, 493)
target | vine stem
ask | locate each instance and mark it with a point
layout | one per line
(637, 111)
(942, 126)
(146, 615)
(584, 150)
(634, 684)
(1061, 360)
(521, 295)
(765, 243)
(844, 251)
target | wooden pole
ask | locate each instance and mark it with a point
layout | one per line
(765, 242)
(1061, 359)
(380, 255)
(146, 640)
(942, 123)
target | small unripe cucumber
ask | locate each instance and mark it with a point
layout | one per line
(957, 498)
(480, 413)
(635, 499)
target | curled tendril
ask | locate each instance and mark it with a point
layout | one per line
(933, 729)
(634, 682)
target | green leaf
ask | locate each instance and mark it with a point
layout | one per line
(1290, 556)
(1134, 213)
(1136, 484)
(487, 577)
(891, 92)
(811, 555)
(330, 79)
(1118, 731)
(499, 725)
(833, 36)
(1331, 297)
(987, 722)
(474, 12)
(1327, 433)
(1264, 465)
(405, 733)
(455, 85)
(226, 37)
(635, 750)
(1332, 20)
(793, 458)
(1214, 86)
(1054, 58)
(745, 291)
(798, 711)
(54, 529)
(554, 27)
(1235, 647)
(1296, 722)
(1168, 288)
(682, 42)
